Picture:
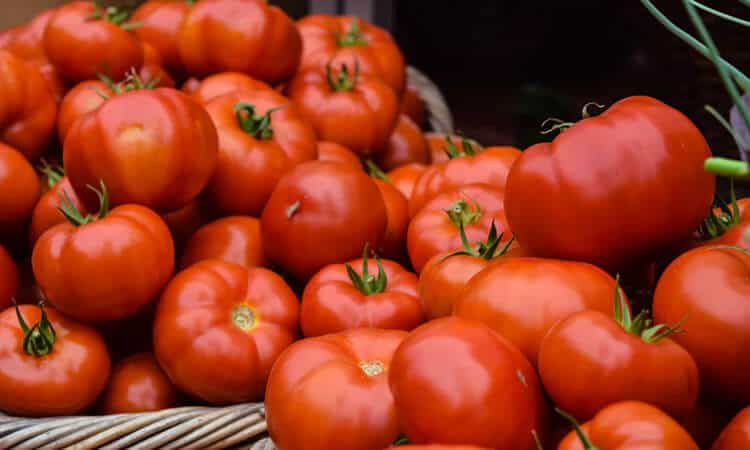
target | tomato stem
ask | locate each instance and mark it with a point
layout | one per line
(460, 213)
(256, 126)
(53, 173)
(71, 213)
(468, 148)
(485, 250)
(587, 444)
(368, 284)
(39, 339)
(641, 325)
(375, 171)
(292, 209)
(353, 37)
(537, 441)
(726, 167)
(114, 15)
(343, 81)
(716, 224)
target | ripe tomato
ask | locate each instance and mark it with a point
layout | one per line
(333, 392)
(9, 279)
(439, 145)
(106, 267)
(138, 385)
(346, 296)
(83, 39)
(261, 138)
(152, 71)
(397, 212)
(219, 314)
(448, 371)
(331, 151)
(225, 83)
(737, 434)
(349, 108)
(161, 157)
(79, 101)
(346, 39)
(187, 220)
(59, 371)
(46, 212)
(630, 425)
(657, 154)
(405, 177)
(406, 145)
(159, 22)
(710, 286)
(437, 228)
(413, 105)
(727, 226)
(247, 36)
(28, 109)
(234, 239)
(19, 188)
(441, 447)
(321, 213)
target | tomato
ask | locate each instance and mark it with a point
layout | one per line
(216, 314)
(630, 425)
(138, 385)
(413, 105)
(225, 83)
(404, 178)
(83, 39)
(59, 372)
(162, 157)
(247, 36)
(46, 212)
(397, 213)
(187, 220)
(737, 434)
(347, 107)
(708, 420)
(728, 225)
(333, 392)
(321, 213)
(261, 137)
(234, 239)
(159, 23)
(441, 447)
(448, 371)
(710, 286)
(661, 191)
(331, 151)
(406, 145)
(19, 188)
(106, 267)
(9, 279)
(346, 39)
(489, 166)
(439, 145)
(28, 109)
(437, 228)
(80, 100)
(191, 85)
(152, 72)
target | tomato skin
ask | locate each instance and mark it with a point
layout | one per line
(340, 209)
(46, 213)
(9, 279)
(631, 425)
(710, 286)
(490, 166)
(160, 22)
(331, 151)
(331, 303)
(737, 434)
(234, 239)
(176, 153)
(19, 188)
(355, 411)
(397, 211)
(413, 105)
(197, 329)
(436, 142)
(658, 154)
(224, 83)
(404, 178)
(138, 385)
(79, 101)
(100, 46)
(62, 383)
(406, 145)
(458, 367)
(152, 70)
(378, 55)
(243, 157)
(441, 447)
(107, 269)
(184, 222)
(247, 36)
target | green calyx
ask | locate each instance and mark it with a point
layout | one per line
(375, 171)
(717, 223)
(553, 124)
(368, 284)
(251, 123)
(641, 325)
(53, 173)
(469, 147)
(353, 37)
(344, 81)
(485, 250)
(71, 213)
(461, 214)
(587, 444)
(132, 82)
(114, 15)
(40, 338)
(401, 440)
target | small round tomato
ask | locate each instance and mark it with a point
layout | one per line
(159, 22)
(106, 267)
(83, 39)
(321, 213)
(184, 222)
(9, 279)
(248, 36)
(737, 434)
(234, 239)
(440, 145)
(331, 151)
(162, 157)
(406, 145)
(437, 227)
(46, 212)
(340, 298)
(138, 385)
(79, 101)
(448, 371)
(225, 83)
(19, 188)
(333, 392)
(49, 365)
(347, 107)
(404, 178)
(261, 137)
(413, 105)
(217, 314)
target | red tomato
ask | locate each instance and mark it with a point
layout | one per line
(439, 145)
(187, 220)
(405, 177)
(79, 101)
(138, 385)
(630, 426)
(397, 211)
(437, 228)
(106, 267)
(346, 39)
(225, 83)
(261, 138)
(19, 188)
(152, 73)
(347, 107)
(9, 279)
(406, 145)
(448, 371)
(728, 227)
(247, 36)
(234, 239)
(159, 22)
(28, 109)
(661, 191)
(83, 39)
(60, 371)
(333, 392)
(710, 287)
(217, 314)
(161, 157)
(413, 105)
(331, 151)
(346, 296)
(737, 434)
(46, 212)
(321, 213)
(441, 447)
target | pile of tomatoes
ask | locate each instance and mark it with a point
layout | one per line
(233, 207)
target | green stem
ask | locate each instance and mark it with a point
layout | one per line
(343, 81)
(39, 339)
(71, 213)
(53, 173)
(256, 126)
(726, 167)
(587, 444)
(727, 126)
(461, 214)
(485, 250)
(353, 37)
(725, 16)
(375, 171)
(368, 284)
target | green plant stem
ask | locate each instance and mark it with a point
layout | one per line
(727, 126)
(726, 167)
(722, 15)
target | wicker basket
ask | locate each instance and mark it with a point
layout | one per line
(240, 426)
